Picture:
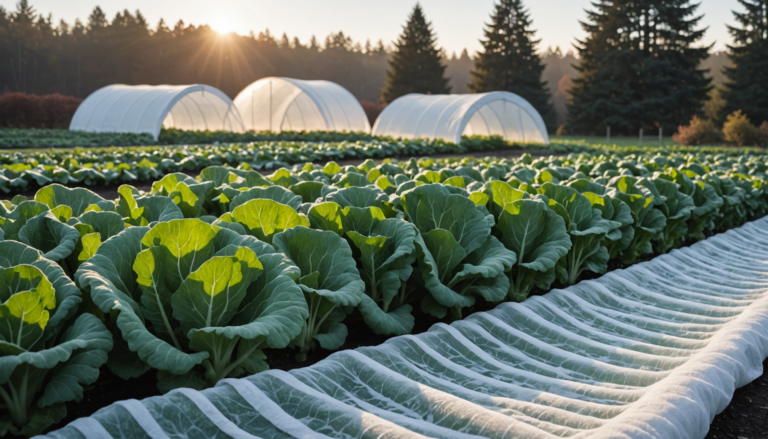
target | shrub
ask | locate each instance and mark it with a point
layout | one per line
(561, 131)
(372, 110)
(21, 110)
(738, 130)
(698, 132)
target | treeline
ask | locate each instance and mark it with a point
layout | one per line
(642, 64)
(41, 56)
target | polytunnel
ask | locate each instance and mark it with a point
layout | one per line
(148, 108)
(285, 104)
(449, 117)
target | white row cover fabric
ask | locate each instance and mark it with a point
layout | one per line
(137, 109)
(449, 117)
(285, 104)
(652, 351)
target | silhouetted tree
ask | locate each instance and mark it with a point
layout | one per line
(415, 65)
(509, 62)
(747, 83)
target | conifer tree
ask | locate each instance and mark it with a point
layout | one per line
(509, 62)
(415, 66)
(747, 85)
(639, 68)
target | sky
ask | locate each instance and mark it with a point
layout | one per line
(458, 23)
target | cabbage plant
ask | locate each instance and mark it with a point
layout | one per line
(196, 302)
(533, 231)
(648, 222)
(47, 352)
(383, 248)
(329, 280)
(586, 229)
(458, 258)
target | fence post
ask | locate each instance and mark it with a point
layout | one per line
(661, 136)
(607, 134)
(641, 135)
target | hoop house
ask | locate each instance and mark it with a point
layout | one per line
(285, 104)
(147, 108)
(448, 117)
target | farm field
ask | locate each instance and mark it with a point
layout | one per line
(416, 242)
(657, 348)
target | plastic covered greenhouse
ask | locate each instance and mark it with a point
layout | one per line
(449, 117)
(285, 104)
(148, 108)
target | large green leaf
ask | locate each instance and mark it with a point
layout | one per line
(275, 193)
(538, 237)
(263, 218)
(326, 259)
(77, 199)
(587, 229)
(55, 239)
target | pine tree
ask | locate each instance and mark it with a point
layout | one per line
(509, 61)
(639, 68)
(415, 66)
(747, 85)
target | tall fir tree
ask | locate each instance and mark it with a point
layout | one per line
(509, 61)
(415, 66)
(747, 84)
(639, 68)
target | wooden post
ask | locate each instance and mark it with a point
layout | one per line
(661, 136)
(641, 135)
(608, 134)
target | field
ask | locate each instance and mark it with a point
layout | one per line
(223, 261)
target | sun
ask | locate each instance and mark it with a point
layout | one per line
(222, 25)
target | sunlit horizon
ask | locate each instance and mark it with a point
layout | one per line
(458, 24)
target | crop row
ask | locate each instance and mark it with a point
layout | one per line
(195, 278)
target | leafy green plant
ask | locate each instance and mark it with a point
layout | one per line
(648, 222)
(47, 352)
(330, 282)
(458, 258)
(586, 228)
(194, 301)
(384, 249)
(533, 231)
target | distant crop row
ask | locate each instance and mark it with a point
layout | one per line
(24, 170)
(194, 279)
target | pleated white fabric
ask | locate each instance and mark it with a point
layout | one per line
(653, 351)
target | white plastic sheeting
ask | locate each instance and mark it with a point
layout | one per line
(653, 351)
(285, 104)
(449, 117)
(147, 108)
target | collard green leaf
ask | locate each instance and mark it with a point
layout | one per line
(55, 239)
(77, 199)
(264, 218)
(538, 237)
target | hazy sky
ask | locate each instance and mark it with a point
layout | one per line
(458, 23)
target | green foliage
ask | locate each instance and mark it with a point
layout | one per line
(47, 354)
(330, 283)
(194, 301)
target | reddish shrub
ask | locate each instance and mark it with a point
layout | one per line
(21, 110)
(698, 132)
(372, 110)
